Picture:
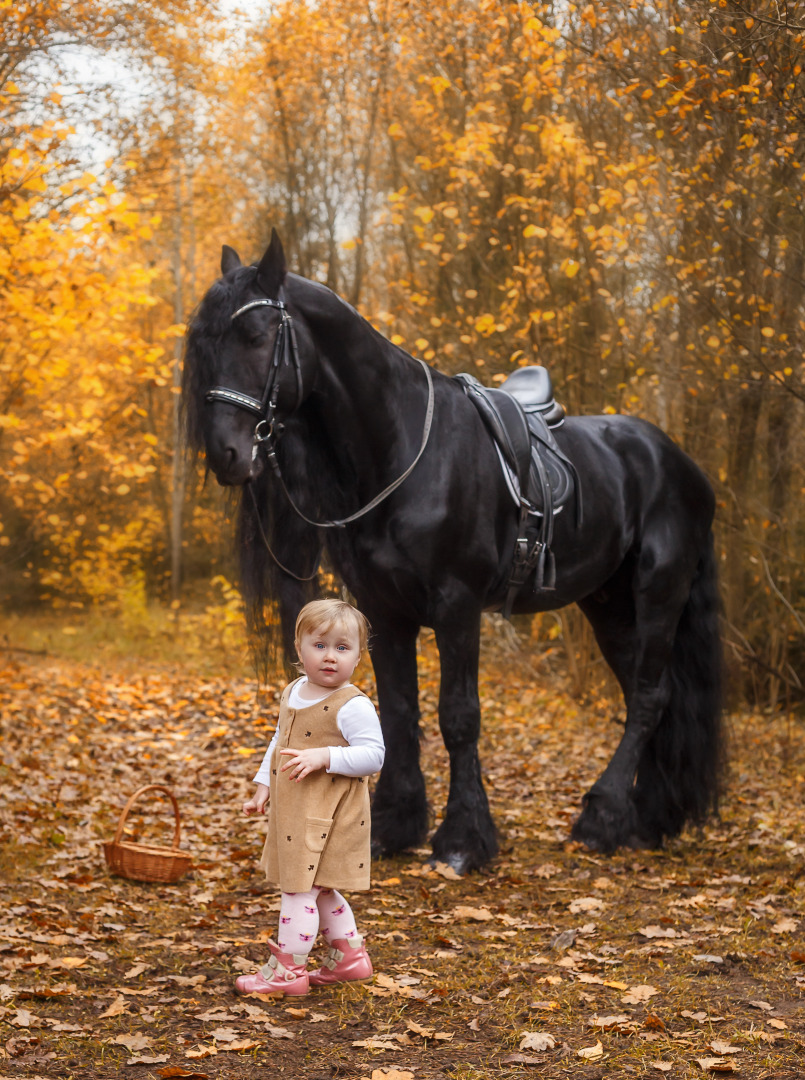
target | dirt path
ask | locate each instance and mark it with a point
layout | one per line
(553, 963)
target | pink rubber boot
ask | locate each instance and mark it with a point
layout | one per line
(347, 961)
(284, 974)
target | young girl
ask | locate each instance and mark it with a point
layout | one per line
(327, 742)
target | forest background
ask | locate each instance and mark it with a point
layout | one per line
(613, 190)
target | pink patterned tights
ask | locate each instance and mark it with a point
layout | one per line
(303, 914)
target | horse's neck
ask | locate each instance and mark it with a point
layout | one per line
(368, 387)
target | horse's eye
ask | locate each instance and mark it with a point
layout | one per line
(257, 340)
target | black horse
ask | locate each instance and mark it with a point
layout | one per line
(346, 445)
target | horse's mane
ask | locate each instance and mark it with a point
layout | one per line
(208, 324)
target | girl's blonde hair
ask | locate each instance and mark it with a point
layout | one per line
(323, 615)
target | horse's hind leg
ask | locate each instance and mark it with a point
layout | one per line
(635, 623)
(399, 806)
(467, 838)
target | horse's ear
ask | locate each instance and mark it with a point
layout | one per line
(271, 271)
(230, 260)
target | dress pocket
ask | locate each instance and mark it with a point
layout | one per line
(316, 832)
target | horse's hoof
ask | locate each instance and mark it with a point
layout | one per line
(607, 822)
(456, 861)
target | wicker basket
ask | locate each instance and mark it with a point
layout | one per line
(145, 862)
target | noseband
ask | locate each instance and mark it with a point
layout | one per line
(286, 354)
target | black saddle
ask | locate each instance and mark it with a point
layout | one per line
(519, 416)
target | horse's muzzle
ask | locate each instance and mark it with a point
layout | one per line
(233, 470)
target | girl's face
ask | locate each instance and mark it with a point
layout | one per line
(329, 657)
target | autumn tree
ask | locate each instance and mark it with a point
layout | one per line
(75, 361)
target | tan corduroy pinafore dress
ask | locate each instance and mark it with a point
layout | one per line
(318, 829)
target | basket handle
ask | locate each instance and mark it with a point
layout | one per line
(135, 796)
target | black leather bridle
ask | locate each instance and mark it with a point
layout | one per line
(286, 354)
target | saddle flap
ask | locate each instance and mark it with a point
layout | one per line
(525, 440)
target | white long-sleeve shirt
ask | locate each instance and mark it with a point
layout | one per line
(359, 724)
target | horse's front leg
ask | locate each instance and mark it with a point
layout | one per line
(467, 838)
(399, 807)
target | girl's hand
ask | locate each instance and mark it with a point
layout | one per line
(258, 802)
(306, 761)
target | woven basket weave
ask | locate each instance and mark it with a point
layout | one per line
(146, 862)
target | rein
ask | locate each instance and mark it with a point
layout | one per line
(338, 523)
(286, 354)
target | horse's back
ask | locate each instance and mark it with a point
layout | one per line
(631, 458)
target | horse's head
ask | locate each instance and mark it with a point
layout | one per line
(243, 366)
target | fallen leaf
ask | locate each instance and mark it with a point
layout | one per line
(657, 932)
(380, 1043)
(177, 1071)
(392, 1074)
(608, 1023)
(278, 1032)
(23, 1018)
(708, 958)
(717, 1064)
(764, 1005)
(195, 980)
(720, 1047)
(118, 1006)
(133, 972)
(133, 1042)
(638, 994)
(785, 926)
(223, 1034)
(702, 1017)
(780, 1025)
(446, 871)
(661, 1066)
(156, 1060)
(426, 1033)
(522, 1059)
(241, 1044)
(585, 903)
(202, 1052)
(564, 940)
(69, 962)
(590, 1053)
(478, 914)
(537, 1040)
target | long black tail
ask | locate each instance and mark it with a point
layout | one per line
(679, 774)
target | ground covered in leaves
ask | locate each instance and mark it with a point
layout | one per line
(553, 962)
